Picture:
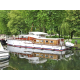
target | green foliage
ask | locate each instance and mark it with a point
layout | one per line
(72, 19)
(65, 37)
(16, 22)
(3, 22)
(78, 41)
(63, 22)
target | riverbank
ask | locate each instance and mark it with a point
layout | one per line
(76, 46)
(78, 41)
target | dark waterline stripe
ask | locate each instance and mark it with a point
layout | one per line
(36, 47)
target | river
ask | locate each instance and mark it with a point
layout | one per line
(70, 63)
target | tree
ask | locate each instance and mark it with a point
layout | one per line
(16, 22)
(59, 16)
(3, 22)
(42, 18)
(73, 20)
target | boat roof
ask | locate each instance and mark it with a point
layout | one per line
(38, 32)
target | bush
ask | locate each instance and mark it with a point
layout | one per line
(65, 37)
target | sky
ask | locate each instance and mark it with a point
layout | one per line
(39, 5)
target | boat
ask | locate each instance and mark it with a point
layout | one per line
(3, 39)
(4, 64)
(4, 54)
(36, 42)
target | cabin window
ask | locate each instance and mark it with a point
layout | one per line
(46, 41)
(46, 55)
(51, 41)
(34, 40)
(41, 40)
(22, 37)
(25, 36)
(51, 56)
(37, 40)
(37, 54)
(42, 35)
(41, 54)
(31, 34)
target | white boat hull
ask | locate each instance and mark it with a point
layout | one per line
(22, 46)
(4, 54)
(28, 44)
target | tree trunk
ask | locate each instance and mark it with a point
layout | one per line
(50, 34)
(43, 29)
(40, 27)
(59, 34)
(71, 34)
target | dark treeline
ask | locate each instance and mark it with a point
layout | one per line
(63, 22)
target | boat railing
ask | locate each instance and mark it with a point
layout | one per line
(17, 38)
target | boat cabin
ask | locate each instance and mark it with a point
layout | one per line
(39, 34)
(32, 35)
(40, 38)
(49, 41)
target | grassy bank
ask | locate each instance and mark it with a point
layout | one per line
(78, 45)
(78, 41)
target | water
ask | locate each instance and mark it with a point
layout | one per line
(70, 63)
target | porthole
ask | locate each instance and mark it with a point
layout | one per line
(46, 41)
(37, 54)
(51, 56)
(51, 41)
(46, 55)
(37, 40)
(41, 55)
(41, 40)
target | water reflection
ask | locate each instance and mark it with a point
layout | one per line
(4, 64)
(32, 59)
(37, 58)
(4, 59)
(68, 60)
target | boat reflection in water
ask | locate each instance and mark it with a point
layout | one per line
(37, 58)
(4, 57)
(4, 64)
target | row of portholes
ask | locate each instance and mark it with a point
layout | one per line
(45, 41)
(45, 55)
